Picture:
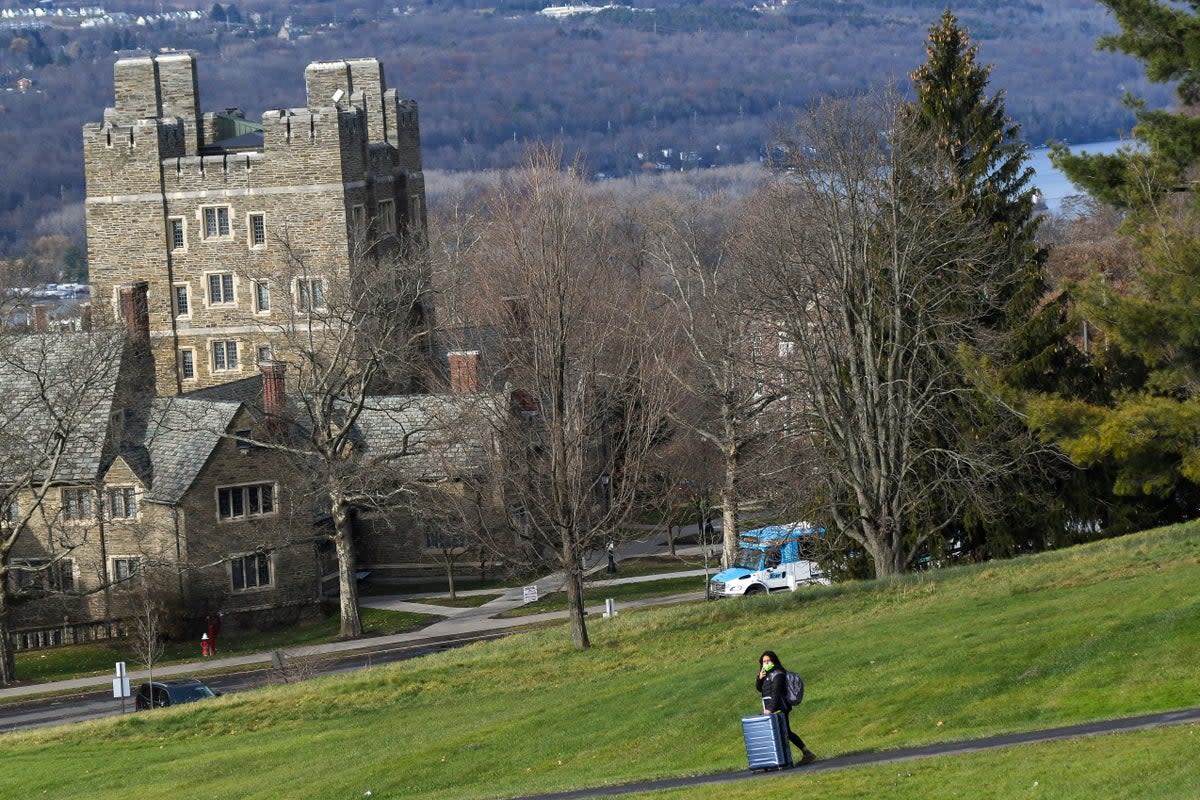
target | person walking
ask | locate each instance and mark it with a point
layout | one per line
(772, 685)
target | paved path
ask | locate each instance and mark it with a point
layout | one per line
(1189, 716)
(457, 622)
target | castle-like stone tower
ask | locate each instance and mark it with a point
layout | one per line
(233, 224)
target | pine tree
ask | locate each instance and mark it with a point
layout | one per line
(1166, 38)
(1023, 335)
(1147, 429)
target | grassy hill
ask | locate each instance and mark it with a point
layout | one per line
(1103, 630)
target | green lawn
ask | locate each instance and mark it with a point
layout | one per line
(59, 663)
(462, 601)
(621, 592)
(653, 565)
(1108, 629)
(1147, 765)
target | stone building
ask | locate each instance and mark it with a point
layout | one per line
(113, 495)
(237, 225)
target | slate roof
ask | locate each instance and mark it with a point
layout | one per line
(180, 437)
(58, 381)
(444, 434)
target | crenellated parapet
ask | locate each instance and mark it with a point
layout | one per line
(208, 208)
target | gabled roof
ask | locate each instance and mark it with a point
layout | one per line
(440, 435)
(180, 437)
(52, 386)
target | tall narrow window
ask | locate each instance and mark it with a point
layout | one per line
(177, 233)
(216, 222)
(387, 216)
(262, 296)
(187, 364)
(182, 307)
(258, 230)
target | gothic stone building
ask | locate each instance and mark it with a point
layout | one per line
(233, 224)
(119, 495)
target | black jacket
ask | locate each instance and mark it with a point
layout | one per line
(773, 689)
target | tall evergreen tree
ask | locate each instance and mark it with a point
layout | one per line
(1148, 427)
(1022, 342)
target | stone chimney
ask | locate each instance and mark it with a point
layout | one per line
(136, 311)
(41, 319)
(464, 371)
(274, 389)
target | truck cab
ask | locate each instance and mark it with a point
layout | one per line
(768, 559)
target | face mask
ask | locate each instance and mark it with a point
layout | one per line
(768, 666)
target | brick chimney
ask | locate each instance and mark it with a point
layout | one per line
(464, 371)
(136, 311)
(41, 317)
(274, 388)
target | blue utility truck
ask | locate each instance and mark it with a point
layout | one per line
(768, 559)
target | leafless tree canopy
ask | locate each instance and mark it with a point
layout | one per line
(571, 327)
(876, 280)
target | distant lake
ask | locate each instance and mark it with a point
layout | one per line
(1052, 183)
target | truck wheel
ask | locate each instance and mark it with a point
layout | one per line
(755, 589)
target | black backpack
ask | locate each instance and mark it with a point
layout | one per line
(795, 688)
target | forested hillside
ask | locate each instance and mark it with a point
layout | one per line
(636, 89)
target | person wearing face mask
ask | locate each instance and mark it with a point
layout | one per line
(772, 685)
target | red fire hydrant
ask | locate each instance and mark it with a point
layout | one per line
(205, 645)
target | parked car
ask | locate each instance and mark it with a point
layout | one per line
(160, 694)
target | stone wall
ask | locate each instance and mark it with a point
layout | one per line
(320, 172)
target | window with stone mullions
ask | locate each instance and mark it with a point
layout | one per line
(122, 502)
(225, 355)
(216, 222)
(310, 294)
(220, 288)
(251, 572)
(255, 500)
(76, 504)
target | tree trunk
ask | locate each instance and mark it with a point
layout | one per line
(450, 577)
(574, 570)
(729, 511)
(8, 669)
(343, 539)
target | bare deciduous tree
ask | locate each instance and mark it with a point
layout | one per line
(588, 394)
(56, 395)
(727, 365)
(353, 346)
(877, 279)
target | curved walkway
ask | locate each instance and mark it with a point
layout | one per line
(1188, 716)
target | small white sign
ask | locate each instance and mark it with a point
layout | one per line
(529, 594)
(121, 687)
(120, 669)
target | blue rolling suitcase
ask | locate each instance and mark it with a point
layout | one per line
(767, 745)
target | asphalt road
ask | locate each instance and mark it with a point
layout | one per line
(63, 709)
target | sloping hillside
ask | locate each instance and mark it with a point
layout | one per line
(1104, 630)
